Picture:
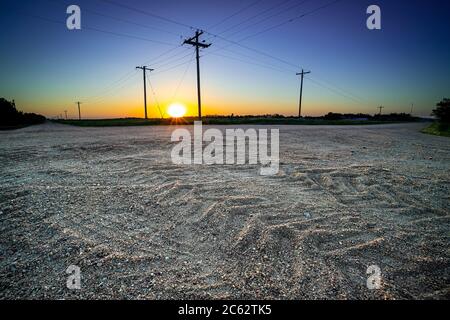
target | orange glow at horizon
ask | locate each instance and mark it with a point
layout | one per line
(131, 107)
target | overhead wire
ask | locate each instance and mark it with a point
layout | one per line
(174, 95)
(147, 13)
(235, 14)
(155, 97)
(101, 14)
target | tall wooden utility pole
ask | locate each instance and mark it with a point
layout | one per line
(380, 107)
(194, 41)
(79, 110)
(144, 69)
(302, 74)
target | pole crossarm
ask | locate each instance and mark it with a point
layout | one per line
(145, 68)
(303, 73)
(195, 42)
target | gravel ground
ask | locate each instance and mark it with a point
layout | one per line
(110, 201)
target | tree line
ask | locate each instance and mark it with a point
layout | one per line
(11, 118)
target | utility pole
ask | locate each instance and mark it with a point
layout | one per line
(194, 41)
(380, 107)
(65, 111)
(412, 107)
(302, 74)
(79, 110)
(144, 69)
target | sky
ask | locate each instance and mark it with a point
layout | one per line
(257, 47)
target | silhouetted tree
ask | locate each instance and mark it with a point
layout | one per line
(393, 117)
(333, 116)
(442, 112)
(10, 117)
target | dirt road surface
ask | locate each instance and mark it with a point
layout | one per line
(110, 201)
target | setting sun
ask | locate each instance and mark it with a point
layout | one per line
(176, 110)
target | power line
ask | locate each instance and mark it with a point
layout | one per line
(254, 16)
(343, 90)
(249, 62)
(254, 50)
(293, 19)
(123, 82)
(163, 57)
(116, 91)
(96, 29)
(174, 67)
(284, 71)
(147, 13)
(126, 77)
(257, 58)
(333, 90)
(235, 14)
(271, 28)
(118, 19)
(112, 86)
(154, 96)
(182, 79)
(185, 25)
(132, 23)
(129, 36)
(170, 62)
(166, 19)
(269, 17)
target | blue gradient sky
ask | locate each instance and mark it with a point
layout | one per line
(46, 68)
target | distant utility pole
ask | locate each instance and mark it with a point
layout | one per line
(412, 107)
(194, 41)
(380, 107)
(79, 110)
(302, 74)
(144, 69)
(65, 111)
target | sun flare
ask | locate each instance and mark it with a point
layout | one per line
(176, 110)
